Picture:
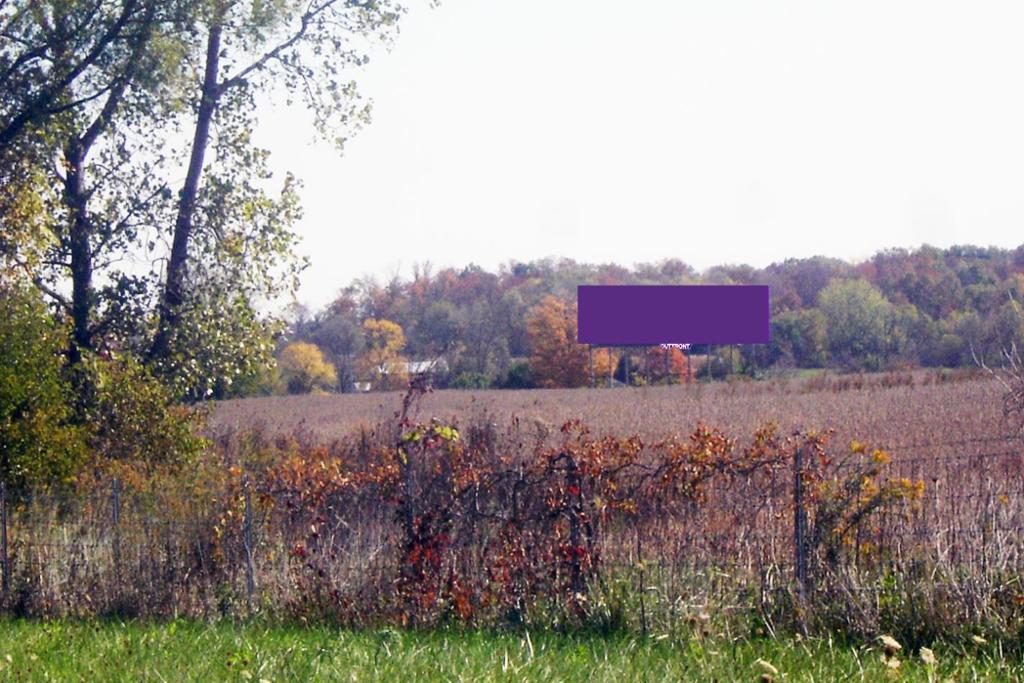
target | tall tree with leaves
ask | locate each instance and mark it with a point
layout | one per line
(81, 78)
(57, 56)
(249, 46)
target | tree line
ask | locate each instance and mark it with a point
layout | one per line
(515, 328)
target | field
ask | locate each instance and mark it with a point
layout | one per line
(883, 409)
(114, 651)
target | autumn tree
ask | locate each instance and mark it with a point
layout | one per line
(382, 362)
(666, 365)
(558, 360)
(603, 361)
(304, 369)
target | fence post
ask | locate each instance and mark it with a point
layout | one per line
(115, 495)
(643, 583)
(250, 582)
(3, 539)
(574, 486)
(799, 524)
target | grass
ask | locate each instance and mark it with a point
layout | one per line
(193, 651)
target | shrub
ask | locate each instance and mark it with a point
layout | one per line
(519, 376)
(134, 419)
(39, 442)
(471, 380)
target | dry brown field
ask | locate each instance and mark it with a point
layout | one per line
(884, 410)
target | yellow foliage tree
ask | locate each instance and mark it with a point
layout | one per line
(382, 362)
(304, 368)
(558, 360)
(605, 361)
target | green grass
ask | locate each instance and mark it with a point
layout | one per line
(189, 651)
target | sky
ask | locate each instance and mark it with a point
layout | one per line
(722, 131)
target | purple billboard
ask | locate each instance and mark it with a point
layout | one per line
(627, 315)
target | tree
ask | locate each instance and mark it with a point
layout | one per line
(519, 377)
(135, 420)
(800, 338)
(224, 346)
(103, 86)
(558, 360)
(304, 369)
(437, 329)
(382, 363)
(803, 279)
(666, 365)
(248, 46)
(86, 74)
(60, 56)
(857, 314)
(110, 199)
(340, 336)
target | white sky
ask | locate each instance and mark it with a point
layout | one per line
(722, 131)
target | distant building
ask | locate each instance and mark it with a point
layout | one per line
(419, 367)
(432, 367)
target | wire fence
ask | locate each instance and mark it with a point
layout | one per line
(957, 503)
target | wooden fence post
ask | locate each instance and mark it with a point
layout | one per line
(799, 524)
(574, 486)
(115, 495)
(643, 588)
(3, 539)
(250, 581)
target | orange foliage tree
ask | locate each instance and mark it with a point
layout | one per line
(667, 365)
(558, 360)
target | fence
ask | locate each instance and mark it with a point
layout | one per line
(457, 530)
